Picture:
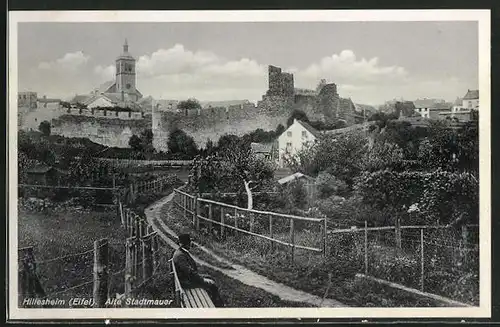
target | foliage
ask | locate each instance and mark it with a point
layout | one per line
(189, 104)
(438, 196)
(382, 118)
(383, 155)
(451, 149)
(328, 185)
(339, 155)
(143, 143)
(297, 114)
(181, 143)
(44, 127)
(226, 169)
(294, 195)
(135, 142)
(404, 135)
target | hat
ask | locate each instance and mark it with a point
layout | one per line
(184, 238)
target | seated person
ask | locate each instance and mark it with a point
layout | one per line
(187, 271)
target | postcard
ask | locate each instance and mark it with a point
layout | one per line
(249, 164)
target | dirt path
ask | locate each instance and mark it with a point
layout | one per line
(238, 272)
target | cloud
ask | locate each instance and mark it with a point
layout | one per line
(105, 73)
(70, 62)
(346, 68)
(180, 73)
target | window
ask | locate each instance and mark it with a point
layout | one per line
(289, 134)
(128, 85)
(289, 145)
(304, 134)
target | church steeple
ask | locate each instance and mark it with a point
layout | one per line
(125, 46)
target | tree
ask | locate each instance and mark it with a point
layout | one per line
(181, 143)
(340, 155)
(228, 141)
(189, 104)
(383, 155)
(44, 127)
(297, 114)
(143, 144)
(279, 130)
(135, 142)
(234, 167)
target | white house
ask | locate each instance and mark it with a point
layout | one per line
(463, 109)
(471, 100)
(296, 137)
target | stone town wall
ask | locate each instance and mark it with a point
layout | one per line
(103, 130)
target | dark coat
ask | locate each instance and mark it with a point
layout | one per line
(186, 268)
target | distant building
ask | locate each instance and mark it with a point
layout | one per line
(432, 108)
(464, 109)
(49, 103)
(27, 99)
(298, 136)
(121, 92)
(44, 175)
(471, 100)
(264, 150)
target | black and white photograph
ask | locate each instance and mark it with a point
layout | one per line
(253, 165)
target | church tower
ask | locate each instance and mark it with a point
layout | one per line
(125, 75)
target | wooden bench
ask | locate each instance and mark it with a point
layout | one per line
(189, 297)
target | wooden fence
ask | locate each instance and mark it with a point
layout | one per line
(142, 249)
(260, 224)
(427, 248)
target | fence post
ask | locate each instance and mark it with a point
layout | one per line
(271, 230)
(197, 213)
(184, 204)
(193, 208)
(128, 265)
(29, 284)
(122, 218)
(154, 248)
(465, 241)
(366, 248)
(236, 218)
(101, 276)
(210, 224)
(324, 237)
(147, 255)
(292, 238)
(222, 222)
(422, 259)
(252, 220)
(398, 233)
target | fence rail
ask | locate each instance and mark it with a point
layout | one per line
(425, 258)
(269, 230)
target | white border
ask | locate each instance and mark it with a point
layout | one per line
(481, 16)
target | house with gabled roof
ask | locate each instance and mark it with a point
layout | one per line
(299, 135)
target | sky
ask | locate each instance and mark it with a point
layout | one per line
(371, 62)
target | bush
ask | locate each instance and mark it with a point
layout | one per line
(294, 195)
(328, 185)
(434, 197)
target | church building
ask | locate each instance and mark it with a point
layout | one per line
(122, 92)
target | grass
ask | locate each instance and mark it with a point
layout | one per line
(309, 272)
(234, 293)
(63, 234)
